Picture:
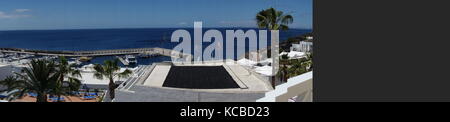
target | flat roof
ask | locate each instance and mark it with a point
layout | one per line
(157, 78)
(250, 86)
(199, 77)
(220, 77)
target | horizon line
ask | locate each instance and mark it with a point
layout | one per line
(132, 28)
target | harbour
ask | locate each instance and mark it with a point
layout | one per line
(131, 51)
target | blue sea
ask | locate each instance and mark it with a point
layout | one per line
(100, 39)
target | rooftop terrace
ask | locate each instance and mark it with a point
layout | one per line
(213, 82)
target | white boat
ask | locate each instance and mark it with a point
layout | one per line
(25, 56)
(14, 58)
(8, 54)
(131, 59)
(76, 62)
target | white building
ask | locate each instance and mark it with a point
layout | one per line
(303, 46)
(295, 47)
(306, 46)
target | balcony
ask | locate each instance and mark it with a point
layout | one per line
(297, 89)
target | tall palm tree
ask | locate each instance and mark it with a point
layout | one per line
(39, 77)
(273, 20)
(111, 70)
(72, 74)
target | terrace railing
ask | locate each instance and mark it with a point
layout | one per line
(298, 89)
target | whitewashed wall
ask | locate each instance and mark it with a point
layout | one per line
(300, 86)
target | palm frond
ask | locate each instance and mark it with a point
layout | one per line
(125, 74)
(275, 27)
(287, 19)
(20, 93)
(99, 68)
(261, 21)
(98, 75)
(283, 27)
(75, 73)
(74, 84)
(273, 19)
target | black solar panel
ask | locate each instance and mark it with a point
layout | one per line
(199, 77)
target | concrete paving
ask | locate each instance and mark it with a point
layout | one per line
(154, 94)
(251, 82)
(157, 77)
(252, 88)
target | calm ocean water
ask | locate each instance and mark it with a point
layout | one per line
(99, 39)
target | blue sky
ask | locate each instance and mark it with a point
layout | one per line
(82, 14)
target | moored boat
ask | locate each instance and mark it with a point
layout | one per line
(131, 59)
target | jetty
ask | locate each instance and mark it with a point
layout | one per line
(94, 53)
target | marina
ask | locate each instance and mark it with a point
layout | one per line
(127, 57)
(132, 51)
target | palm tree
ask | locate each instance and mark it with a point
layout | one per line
(273, 19)
(110, 70)
(283, 72)
(39, 77)
(10, 82)
(72, 84)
